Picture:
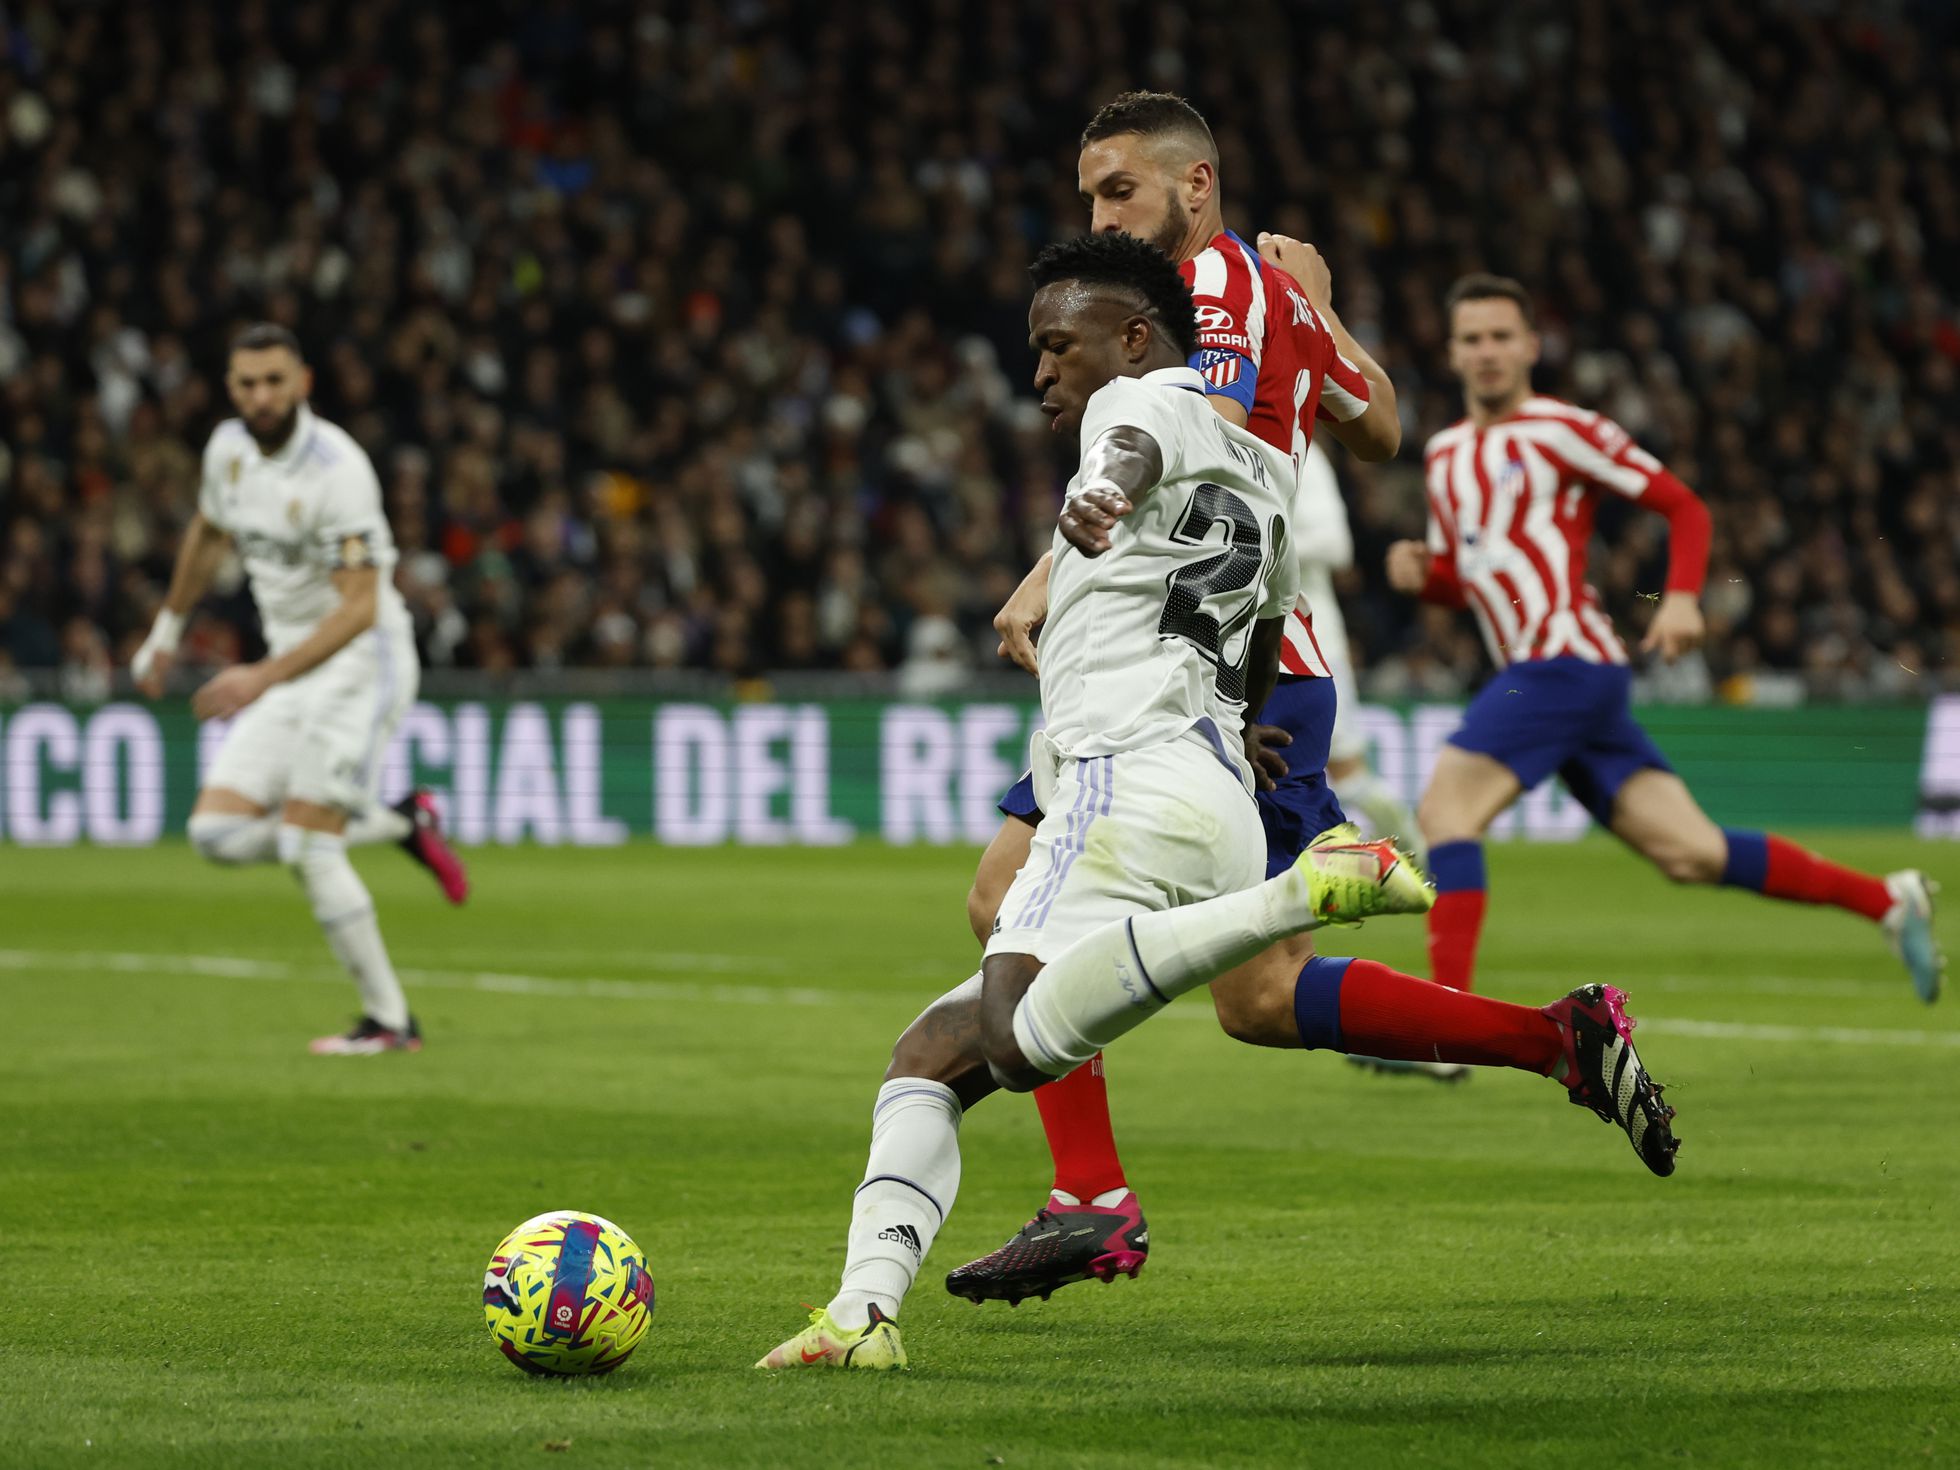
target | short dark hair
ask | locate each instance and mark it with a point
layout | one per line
(1132, 265)
(1151, 115)
(261, 335)
(1482, 286)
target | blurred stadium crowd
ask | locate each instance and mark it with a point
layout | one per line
(692, 335)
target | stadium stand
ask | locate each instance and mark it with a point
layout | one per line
(692, 336)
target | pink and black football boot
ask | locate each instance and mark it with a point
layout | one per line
(1603, 1072)
(1062, 1244)
(368, 1038)
(426, 844)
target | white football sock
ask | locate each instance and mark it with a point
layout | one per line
(346, 915)
(378, 823)
(910, 1180)
(1102, 1201)
(234, 839)
(1123, 974)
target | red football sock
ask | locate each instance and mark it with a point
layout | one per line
(1388, 1014)
(1454, 924)
(1803, 877)
(1075, 1115)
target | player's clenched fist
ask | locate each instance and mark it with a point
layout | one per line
(1090, 515)
(1408, 567)
(1302, 262)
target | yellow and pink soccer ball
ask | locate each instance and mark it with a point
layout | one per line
(568, 1295)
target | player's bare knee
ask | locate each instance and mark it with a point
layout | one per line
(1688, 863)
(1441, 822)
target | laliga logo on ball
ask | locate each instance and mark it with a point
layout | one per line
(567, 1294)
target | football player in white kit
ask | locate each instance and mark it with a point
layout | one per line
(1144, 880)
(1324, 543)
(295, 779)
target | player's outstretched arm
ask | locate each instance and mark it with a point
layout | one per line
(1601, 452)
(197, 564)
(1677, 627)
(1376, 433)
(1025, 612)
(1118, 470)
(228, 693)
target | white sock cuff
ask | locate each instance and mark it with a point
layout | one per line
(915, 1092)
(378, 823)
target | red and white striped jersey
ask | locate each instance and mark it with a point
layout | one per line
(1510, 520)
(1261, 344)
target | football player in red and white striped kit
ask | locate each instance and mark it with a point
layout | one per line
(1512, 489)
(1269, 341)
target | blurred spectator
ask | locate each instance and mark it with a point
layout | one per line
(692, 335)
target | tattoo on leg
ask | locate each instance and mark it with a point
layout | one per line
(957, 1024)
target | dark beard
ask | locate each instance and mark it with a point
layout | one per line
(273, 442)
(1169, 236)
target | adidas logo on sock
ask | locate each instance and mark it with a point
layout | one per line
(905, 1235)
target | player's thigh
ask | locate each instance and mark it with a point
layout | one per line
(249, 774)
(353, 704)
(1133, 833)
(943, 1045)
(1005, 856)
(1255, 1001)
(1658, 817)
(1467, 791)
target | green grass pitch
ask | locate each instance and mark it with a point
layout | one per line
(220, 1251)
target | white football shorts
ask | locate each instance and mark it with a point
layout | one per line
(1136, 832)
(322, 737)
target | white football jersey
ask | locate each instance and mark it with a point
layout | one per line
(297, 517)
(1149, 642)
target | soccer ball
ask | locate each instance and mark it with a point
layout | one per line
(568, 1294)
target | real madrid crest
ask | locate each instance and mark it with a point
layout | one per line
(292, 512)
(231, 474)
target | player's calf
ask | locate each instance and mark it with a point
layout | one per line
(1255, 1001)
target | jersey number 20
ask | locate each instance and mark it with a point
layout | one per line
(1212, 601)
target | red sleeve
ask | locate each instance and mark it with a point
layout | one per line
(1443, 585)
(1343, 390)
(1603, 454)
(1229, 351)
(1688, 527)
